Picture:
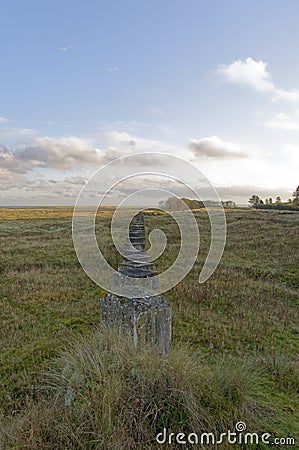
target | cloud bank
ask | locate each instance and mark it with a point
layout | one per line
(214, 147)
(60, 153)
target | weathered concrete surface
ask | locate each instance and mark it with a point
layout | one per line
(147, 319)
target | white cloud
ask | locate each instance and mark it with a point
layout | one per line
(35, 171)
(64, 153)
(60, 153)
(248, 72)
(7, 158)
(76, 179)
(10, 180)
(255, 74)
(9, 162)
(214, 147)
(291, 96)
(120, 138)
(57, 153)
(283, 121)
(65, 49)
(14, 132)
(4, 120)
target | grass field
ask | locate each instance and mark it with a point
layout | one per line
(241, 325)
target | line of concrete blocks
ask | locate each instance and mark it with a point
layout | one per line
(147, 318)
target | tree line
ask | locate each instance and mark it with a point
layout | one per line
(182, 204)
(269, 203)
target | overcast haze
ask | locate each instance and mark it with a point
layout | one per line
(216, 83)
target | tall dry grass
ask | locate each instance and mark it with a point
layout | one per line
(102, 393)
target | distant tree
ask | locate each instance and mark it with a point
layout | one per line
(180, 204)
(193, 204)
(254, 200)
(296, 197)
(229, 204)
(292, 205)
(175, 204)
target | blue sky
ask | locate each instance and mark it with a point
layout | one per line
(82, 82)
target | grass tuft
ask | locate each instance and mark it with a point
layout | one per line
(103, 393)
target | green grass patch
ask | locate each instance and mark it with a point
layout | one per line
(238, 333)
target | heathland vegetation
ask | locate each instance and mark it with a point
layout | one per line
(65, 384)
